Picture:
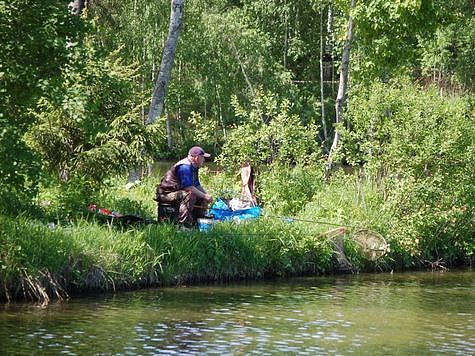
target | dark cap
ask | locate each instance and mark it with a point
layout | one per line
(198, 151)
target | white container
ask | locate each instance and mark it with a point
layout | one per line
(205, 224)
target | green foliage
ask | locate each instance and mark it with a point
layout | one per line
(205, 131)
(287, 191)
(431, 40)
(423, 146)
(19, 169)
(293, 30)
(34, 38)
(55, 261)
(350, 200)
(66, 200)
(202, 82)
(31, 256)
(72, 114)
(388, 33)
(91, 125)
(355, 202)
(231, 251)
(136, 199)
(90, 257)
(269, 133)
(139, 27)
(448, 57)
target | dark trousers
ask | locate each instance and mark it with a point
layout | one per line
(191, 207)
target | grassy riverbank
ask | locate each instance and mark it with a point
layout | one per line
(39, 263)
(40, 260)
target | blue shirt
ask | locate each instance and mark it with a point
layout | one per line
(187, 176)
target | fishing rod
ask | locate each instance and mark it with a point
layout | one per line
(292, 219)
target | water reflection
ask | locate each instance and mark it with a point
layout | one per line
(378, 314)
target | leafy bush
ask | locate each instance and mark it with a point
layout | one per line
(34, 37)
(269, 133)
(91, 124)
(285, 190)
(64, 201)
(423, 146)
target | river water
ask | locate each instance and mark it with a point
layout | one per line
(403, 313)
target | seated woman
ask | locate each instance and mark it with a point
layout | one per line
(247, 182)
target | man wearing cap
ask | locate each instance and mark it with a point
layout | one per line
(181, 186)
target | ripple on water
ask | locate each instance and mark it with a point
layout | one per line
(360, 314)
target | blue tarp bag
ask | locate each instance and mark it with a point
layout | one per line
(221, 211)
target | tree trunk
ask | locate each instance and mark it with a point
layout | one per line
(241, 65)
(220, 115)
(286, 38)
(329, 43)
(341, 96)
(246, 78)
(161, 84)
(169, 132)
(77, 6)
(322, 77)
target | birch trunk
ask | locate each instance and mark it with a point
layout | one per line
(341, 96)
(241, 65)
(77, 6)
(329, 42)
(161, 84)
(246, 78)
(322, 94)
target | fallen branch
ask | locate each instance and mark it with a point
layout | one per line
(437, 265)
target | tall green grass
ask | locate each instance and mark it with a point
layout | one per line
(39, 261)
